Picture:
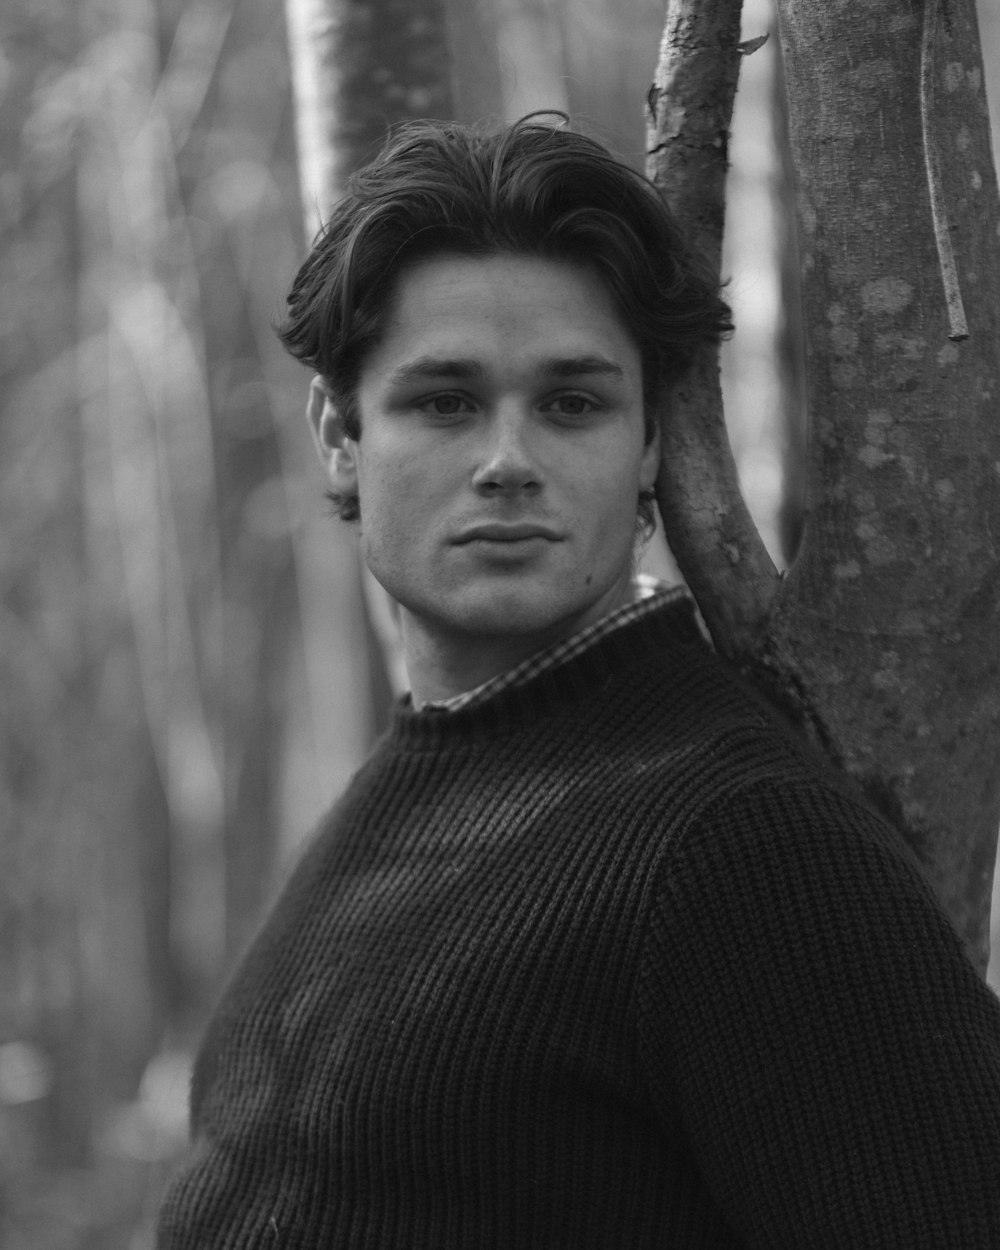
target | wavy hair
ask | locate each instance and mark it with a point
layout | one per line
(534, 188)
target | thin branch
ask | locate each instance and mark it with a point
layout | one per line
(706, 521)
(958, 327)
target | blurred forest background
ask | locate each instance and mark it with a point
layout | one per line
(185, 682)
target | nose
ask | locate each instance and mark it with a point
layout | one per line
(507, 465)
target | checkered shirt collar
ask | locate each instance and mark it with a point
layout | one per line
(650, 594)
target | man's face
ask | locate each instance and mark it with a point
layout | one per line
(502, 452)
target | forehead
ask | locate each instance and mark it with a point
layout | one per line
(501, 308)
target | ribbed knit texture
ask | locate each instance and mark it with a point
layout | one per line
(606, 962)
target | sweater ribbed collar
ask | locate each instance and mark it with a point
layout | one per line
(623, 650)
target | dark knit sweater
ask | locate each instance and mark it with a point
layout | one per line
(604, 962)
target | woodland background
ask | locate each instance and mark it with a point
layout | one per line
(183, 675)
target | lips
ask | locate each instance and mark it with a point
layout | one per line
(498, 532)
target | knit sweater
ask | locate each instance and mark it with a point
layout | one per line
(609, 962)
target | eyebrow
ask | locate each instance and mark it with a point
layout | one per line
(425, 367)
(435, 367)
(580, 366)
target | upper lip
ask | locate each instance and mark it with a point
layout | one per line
(505, 532)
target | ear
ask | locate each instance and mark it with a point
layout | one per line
(649, 466)
(336, 450)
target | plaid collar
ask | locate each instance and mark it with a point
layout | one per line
(650, 594)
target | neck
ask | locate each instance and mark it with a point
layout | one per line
(443, 664)
(439, 670)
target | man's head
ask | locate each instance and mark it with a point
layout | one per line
(494, 320)
(530, 190)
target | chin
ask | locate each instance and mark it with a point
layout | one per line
(513, 616)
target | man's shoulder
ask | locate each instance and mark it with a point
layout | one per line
(678, 686)
(729, 726)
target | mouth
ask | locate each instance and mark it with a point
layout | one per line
(497, 532)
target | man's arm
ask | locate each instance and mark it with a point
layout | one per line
(807, 1009)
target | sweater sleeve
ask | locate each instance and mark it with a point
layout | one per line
(808, 1017)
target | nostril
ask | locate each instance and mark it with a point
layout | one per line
(507, 485)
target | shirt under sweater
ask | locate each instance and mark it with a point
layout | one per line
(610, 961)
(648, 593)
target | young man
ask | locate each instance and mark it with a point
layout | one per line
(592, 953)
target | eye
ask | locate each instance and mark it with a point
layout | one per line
(571, 404)
(448, 404)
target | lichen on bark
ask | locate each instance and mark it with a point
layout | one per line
(882, 639)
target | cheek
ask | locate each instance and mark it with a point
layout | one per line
(405, 473)
(397, 513)
(615, 492)
(385, 486)
(607, 513)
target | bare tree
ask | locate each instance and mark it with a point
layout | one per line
(882, 640)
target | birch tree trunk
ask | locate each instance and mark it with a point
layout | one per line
(358, 67)
(883, 638)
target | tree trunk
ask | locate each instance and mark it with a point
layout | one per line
(900, 575)
(706, 521)
(359, 66)
(883, 638)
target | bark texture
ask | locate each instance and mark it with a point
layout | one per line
(708, 526)
(360, 66)
(883, 639)
(887, 628)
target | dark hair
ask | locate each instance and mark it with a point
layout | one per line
(533, 189)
